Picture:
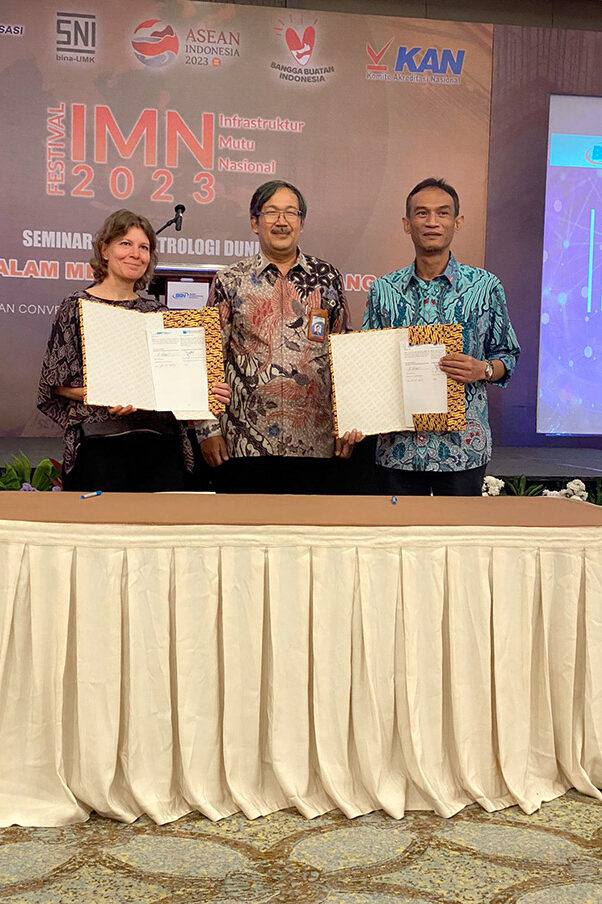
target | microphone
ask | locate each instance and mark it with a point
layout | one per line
(179, 209)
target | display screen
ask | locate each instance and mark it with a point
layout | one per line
(570, 349)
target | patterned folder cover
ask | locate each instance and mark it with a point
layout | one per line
(208, 318)
(373, 357)
(449, 335)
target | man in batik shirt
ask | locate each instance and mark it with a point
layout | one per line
(277, 309)
(434, 289)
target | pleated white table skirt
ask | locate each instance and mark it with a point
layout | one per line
(160, 670)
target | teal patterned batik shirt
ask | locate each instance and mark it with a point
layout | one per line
(465, 295)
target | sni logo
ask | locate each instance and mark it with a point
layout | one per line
(75, 37)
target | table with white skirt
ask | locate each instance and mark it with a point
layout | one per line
(161, 654)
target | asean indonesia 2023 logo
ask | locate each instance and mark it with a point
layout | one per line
(155, 43)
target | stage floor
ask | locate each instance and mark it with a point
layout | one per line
(507, 461)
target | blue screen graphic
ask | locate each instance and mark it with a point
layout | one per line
(570, 349)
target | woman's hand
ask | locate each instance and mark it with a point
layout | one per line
(74, 393)
(121, 410)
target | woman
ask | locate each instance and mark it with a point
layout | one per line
(117, 448)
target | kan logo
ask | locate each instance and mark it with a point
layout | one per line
(417, 59)
(376, 57)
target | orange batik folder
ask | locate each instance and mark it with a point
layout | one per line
(383, 379)
(158, 361)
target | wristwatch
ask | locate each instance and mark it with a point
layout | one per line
(488, 370)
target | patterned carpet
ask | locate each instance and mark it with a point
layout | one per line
(552, 857)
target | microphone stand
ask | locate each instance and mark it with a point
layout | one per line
(177, 220)
(165, 225)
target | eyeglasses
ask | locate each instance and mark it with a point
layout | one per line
(272, 216)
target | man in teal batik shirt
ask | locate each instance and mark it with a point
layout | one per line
(435, 288)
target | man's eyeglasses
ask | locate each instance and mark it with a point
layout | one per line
(272, 216)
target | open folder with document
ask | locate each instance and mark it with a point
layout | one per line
(387, 381)
(158, 361)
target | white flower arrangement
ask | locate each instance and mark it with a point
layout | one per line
(492, 486)
(575, 489)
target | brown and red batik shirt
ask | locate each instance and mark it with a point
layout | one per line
(280, 378)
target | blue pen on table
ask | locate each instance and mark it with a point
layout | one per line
(89, 495)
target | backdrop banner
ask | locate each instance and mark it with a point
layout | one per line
(150, 104)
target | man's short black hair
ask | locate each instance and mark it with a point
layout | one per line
(434, 183)
(265, 192)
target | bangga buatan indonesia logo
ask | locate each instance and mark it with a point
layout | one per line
(155, 43)
(301, 46)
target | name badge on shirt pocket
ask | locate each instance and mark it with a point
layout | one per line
(317, 325)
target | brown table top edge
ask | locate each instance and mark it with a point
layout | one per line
(327, 511)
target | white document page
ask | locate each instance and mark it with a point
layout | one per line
(118, 369)
(424, 383)
(367, 381)
(179, 368)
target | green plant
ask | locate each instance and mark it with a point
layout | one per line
(517, 486)
(595, 493)
(19, 474)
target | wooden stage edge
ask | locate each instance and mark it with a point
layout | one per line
(361, 511)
